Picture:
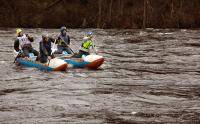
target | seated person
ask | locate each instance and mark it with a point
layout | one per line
(45, 49)
(63, 42)
(23, 44)
(86, 45)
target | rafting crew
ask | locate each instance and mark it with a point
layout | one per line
(45, 48)
(63, 42)
(23, 43)
(86, 46)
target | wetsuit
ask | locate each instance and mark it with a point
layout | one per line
(45, 50)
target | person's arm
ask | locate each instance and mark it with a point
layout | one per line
(93, 47)
(64, 44)
(16, 45)
(30, 38)
(57, 40)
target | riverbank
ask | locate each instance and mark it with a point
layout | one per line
(100, 13)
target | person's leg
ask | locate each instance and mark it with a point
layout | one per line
(43, 59)
(60, 50)
(68, 50)
(52, 56)
(76, 55)
(25, 51)
(84, 53)
(35, 52)
(79, 54)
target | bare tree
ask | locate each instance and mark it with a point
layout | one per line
(121, 7)
(99, 14)
(144, 14)
(110, 10)
(172, 8)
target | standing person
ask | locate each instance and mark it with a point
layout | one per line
(45, 48)
(86, 46)
(23, 44)
(63, 42)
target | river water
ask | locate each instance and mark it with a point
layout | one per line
(149, 76)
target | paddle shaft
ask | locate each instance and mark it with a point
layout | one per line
(71, 50)
(17, 57)
(48, 62)
(69, 47)
(51, 52)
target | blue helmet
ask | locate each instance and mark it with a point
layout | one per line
(89, 34)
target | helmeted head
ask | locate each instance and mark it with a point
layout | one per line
(45, 36)
(63, 30)
(19, 32)
(89, 34)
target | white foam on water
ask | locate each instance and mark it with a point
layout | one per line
(133, 113)
(2, 62)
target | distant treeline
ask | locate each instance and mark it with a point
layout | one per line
(100, 13)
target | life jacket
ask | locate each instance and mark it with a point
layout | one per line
(63, 40)
(86, 45)
(23, 41)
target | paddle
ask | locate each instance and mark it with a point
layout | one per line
(15, 58)
(52, 51)
(71, 50)
(69, 47)
(94, 49)
(53, 47)
(18, 55)
(48, 62)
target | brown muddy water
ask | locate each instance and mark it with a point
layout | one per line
(150, 76)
